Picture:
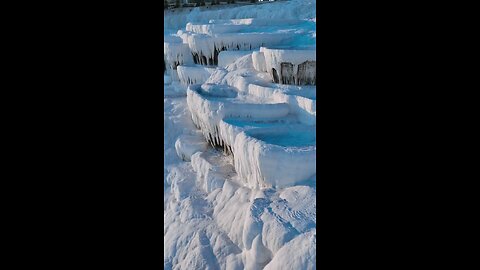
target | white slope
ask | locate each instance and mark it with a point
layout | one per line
(212, 221)
(281, 10)
(216, 216)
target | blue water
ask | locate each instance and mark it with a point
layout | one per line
(257, 124)
(294, 138)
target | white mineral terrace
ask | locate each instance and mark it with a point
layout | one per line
(265, 39)
(193, 74)
(265, 88)
(240, 137)
(290, 66)
(265, 156)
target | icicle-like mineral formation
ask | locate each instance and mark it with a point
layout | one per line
(290, 66)
(205, 48)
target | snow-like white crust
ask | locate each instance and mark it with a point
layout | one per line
(268, 165)
(193, 74)
(276, 12)
(259, 163)
(208, 110)
(211, 29)
(187, 145)
(227, 57)
(176, 54)
(304, 108)
(275, 57)
(303, 247)
(259, 61)
(203, 45)
(251, 206)
(211, 171)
